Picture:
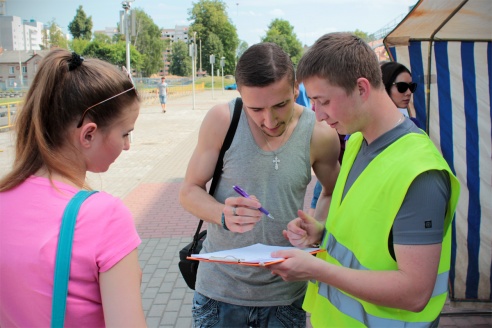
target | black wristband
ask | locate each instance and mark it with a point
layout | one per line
(223, 222)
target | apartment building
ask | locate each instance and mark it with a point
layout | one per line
(18, 34)
(178, 33)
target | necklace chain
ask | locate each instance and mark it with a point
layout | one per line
(400, 120)
(276, 160)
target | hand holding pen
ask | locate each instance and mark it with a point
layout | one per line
(243, 193)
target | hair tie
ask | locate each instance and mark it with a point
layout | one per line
(75, 61)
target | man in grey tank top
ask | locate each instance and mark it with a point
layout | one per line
(276, 145)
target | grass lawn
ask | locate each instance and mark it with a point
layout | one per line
(9, 100)
(217, 82)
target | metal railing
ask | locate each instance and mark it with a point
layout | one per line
(8, 113)
(8, 110)
(151, 96)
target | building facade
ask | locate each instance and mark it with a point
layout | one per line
(18, 34)
(109, 31)
(17, 68)
(178, 33)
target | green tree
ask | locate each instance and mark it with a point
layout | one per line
(364, 36)
(212, 46)
(81, 26)
(241, 48)
(103, 38)
(54, 37)
(79, 45)
(45, 39)
(99, 50)
(180, 60)
(210, 18)
(148, 42)
(282, 33)
(114, 53)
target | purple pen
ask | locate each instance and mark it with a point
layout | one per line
(243, 193)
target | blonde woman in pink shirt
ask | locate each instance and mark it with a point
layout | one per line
(77, 117)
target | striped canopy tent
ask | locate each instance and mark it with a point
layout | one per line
(447, 46)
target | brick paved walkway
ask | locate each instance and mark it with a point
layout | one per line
(148, 178)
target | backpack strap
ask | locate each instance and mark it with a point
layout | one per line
(220, 162)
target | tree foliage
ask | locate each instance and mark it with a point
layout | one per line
(148, 42)
(81, 26)
(241, 48)
(54, 37)
(79, 45)
(282, 33)
(114, 53)
(103, 38)
(180, 60)
(218, 35)
(213, 46)
(364, 35)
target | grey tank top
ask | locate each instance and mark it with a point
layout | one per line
(281, 192)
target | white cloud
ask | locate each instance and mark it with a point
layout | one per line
(254, 13)
(277, 13)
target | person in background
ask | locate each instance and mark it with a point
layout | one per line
(77, 117)
(302, 98)
(397, 81)
(162, 88)
(388, 232)
(276, 145)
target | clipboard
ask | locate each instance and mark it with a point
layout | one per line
(254, 255)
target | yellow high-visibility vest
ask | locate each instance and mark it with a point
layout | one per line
(358, 230)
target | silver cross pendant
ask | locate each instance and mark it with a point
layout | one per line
(276, 161)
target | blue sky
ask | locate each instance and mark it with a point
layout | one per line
(310, 18)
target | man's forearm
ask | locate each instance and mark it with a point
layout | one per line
(322, 207)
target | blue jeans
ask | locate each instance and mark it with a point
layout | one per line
(211, 313)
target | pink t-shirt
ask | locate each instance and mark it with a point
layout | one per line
(30, 218)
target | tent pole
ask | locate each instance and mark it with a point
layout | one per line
(429, 58)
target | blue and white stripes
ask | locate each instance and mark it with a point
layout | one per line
(458, 121)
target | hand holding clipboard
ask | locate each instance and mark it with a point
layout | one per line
(254, 255)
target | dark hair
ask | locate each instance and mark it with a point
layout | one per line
(263, 64)
(56, 100)
(340, 58)
(390, 71)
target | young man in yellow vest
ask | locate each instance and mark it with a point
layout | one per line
(388, 232)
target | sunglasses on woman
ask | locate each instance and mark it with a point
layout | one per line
(81, 121)
(404, 86)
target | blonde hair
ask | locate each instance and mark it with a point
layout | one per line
(55, 102)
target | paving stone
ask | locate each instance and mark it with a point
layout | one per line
(169, 318)
(183, 322)
(156, 310)
(150, 292)
(173, 305)
(156, 282)
(162, 298)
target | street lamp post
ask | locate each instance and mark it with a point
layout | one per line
(201, 56)
(20, 71)
(222, 63)
(212, 62)
(193, 67)
(126, 6)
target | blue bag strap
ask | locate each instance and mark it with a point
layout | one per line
(63, 257)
